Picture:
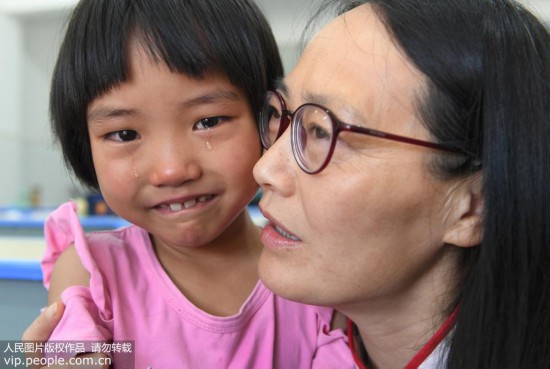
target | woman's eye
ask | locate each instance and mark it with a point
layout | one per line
(318, 132)
(123, 136)
(209, 123)
(321, 133)
(274, 113)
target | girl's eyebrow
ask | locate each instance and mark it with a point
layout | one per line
(103, 112)
(212, 97)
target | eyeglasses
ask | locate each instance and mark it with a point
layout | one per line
(313, 131)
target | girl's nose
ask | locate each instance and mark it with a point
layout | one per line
(276, 169)
(173, 163)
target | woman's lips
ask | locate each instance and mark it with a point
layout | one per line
(276, 237)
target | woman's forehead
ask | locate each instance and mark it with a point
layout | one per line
(354, 62)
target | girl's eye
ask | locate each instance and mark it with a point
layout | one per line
(123, 136)
(209, 123)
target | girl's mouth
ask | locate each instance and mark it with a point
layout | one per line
(187, 204)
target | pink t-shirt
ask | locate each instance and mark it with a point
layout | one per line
(131, 298)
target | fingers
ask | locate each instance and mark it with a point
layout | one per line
(43, 326)
(41, 329)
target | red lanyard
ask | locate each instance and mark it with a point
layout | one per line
(420, 356)
(352, 346)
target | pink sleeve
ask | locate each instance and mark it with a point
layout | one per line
(81, 320)
(81, 326)
(86, 316)
(332, 348)
(61, 229)
(59, 236)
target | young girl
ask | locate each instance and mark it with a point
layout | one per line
(154, 104)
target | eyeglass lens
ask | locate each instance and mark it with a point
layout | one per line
(271, 116)
(312, 131)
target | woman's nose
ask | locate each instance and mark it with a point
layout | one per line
(276, 169)
(173, 163)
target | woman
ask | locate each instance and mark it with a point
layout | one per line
(411, 191)
(434, 242)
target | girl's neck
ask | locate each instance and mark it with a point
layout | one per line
(240, 239)
(217, 277)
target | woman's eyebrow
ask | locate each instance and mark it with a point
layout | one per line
(282, 87)
(323, 100)
(343, 110)
(306, 97)
(312, 97)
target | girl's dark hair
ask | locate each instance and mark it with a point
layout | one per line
(193, 37)
(488, 68)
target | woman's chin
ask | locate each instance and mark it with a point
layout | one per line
(288, 281)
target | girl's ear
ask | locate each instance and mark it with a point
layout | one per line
(465, 223)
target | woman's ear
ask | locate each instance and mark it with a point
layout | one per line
(465, 223)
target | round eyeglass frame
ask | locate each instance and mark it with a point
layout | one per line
(292, 118)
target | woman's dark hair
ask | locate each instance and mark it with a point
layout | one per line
(193, 37)
(488, 68)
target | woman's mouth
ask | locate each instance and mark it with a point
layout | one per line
(275, 237)
(285, 234)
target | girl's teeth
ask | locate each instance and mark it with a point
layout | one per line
(190, 203)
(176, 207)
